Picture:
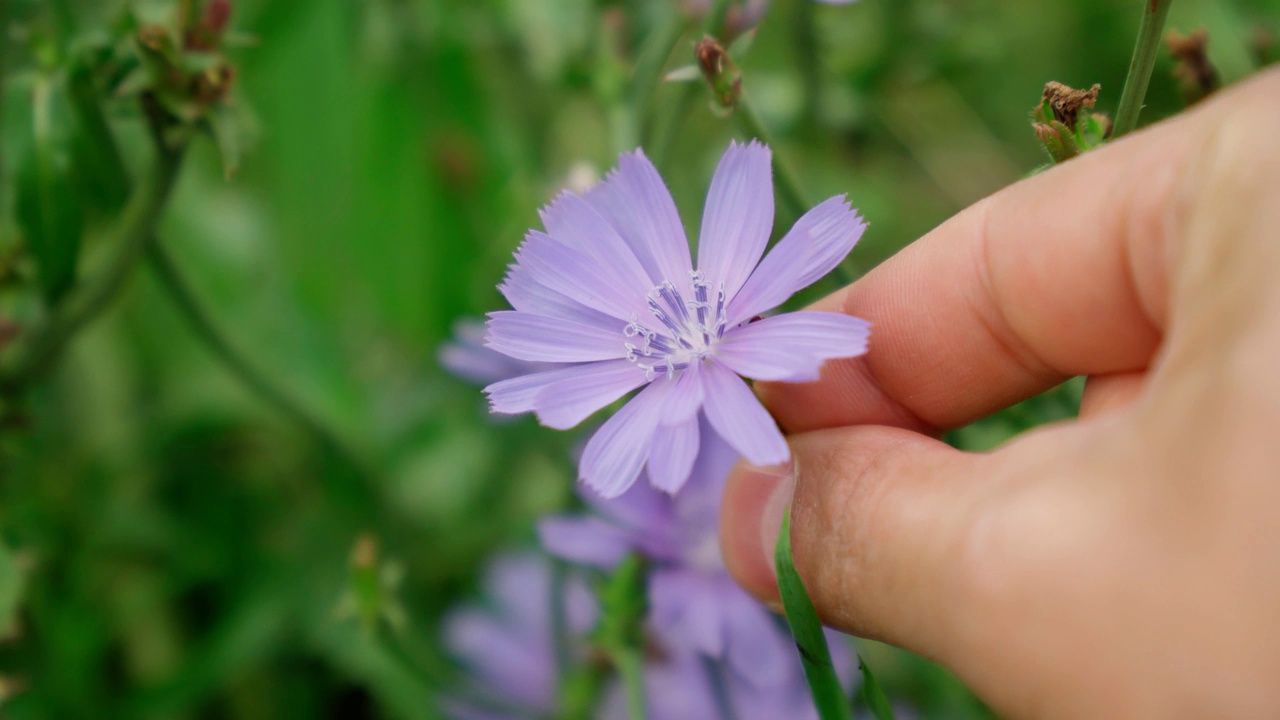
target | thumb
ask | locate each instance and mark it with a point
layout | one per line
(879, 523)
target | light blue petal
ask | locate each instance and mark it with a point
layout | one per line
(792, 347)
(740, 419)
(539, 338)
(818, 242)
(569, 400)
(636, 202)
(738, 217)
(671, 456)
(616, 454)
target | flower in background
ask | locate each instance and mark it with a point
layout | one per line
(610, 294)
(695, 606)
(466, 357)
(508, 650)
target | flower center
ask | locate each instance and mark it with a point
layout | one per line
(686, 329)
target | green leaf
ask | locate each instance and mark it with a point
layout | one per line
(46, 207)
(824, 684)
(872, 695)
(105, 182)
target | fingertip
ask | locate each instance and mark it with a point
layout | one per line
(750, 517)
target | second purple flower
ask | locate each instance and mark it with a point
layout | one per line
(610, 295)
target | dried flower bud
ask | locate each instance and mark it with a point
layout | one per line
(1196, 76)
(1067, 102)
(719, 70)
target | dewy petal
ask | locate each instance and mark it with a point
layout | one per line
(636, 202)
(818, 242)
(792, 347)
(738, 216)
(573, 222)
(577, 276)
(585, 540)
(740, 419)
(567, 401)
(671, 455)
(539, 338)
(617, 452)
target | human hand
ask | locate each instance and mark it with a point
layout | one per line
(1126, 564)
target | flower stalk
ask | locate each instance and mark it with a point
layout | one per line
(1154, 13)
(133, 232)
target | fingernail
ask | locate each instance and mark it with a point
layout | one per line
(783, 479)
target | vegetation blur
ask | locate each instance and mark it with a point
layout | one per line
(234, 480)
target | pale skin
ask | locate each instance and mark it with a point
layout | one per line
(1125, 564)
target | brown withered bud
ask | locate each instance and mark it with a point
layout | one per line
(213, 84)
(154, 37)
(1195, 74)
(719, 70)
(206, 34)
(1067, 102)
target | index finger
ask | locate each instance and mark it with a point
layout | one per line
(1062, 274)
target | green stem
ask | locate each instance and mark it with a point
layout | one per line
(662, 140)
(1144, 59)
(137, 223)
(653, 58)
(630, 665)
(202, 323)
(806, 39)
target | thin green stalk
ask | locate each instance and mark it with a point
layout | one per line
(662, 140)
(824, 685)
(653, 58)
(630, 665)
(806, 40)
(136, 225)
(202, 323)
(1154, 13)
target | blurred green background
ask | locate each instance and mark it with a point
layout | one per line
(175, 546)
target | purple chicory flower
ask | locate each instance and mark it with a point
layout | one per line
(508, 649)
(695, 606)
(611, 294)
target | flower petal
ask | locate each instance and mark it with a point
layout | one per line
(757, 649)
(738, 217)
(685, 610)
(585, 540)
(528, 295)
(740, 419)
(567, 401)
(578, 276)
(792, 347)
(818, 242)
(514, 396)
(686, 397)
(573, 222)
(671, 455)
(526, 336)
(617, 452)
(636, 202)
